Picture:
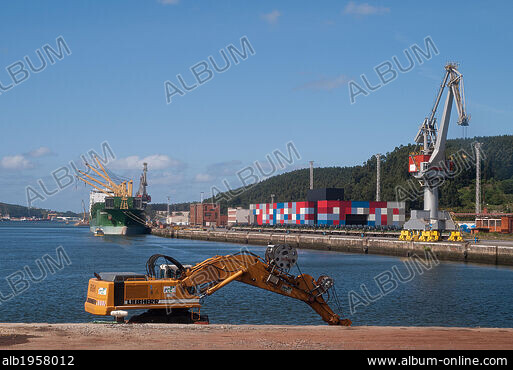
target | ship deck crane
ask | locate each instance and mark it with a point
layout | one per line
(104, 183)
(430, 166)
(143, 183)
(84, 216)
(170, 291)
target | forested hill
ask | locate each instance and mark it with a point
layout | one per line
(359, 182)
(14, 210)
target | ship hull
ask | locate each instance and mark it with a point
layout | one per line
(114, 220)
(121, 230)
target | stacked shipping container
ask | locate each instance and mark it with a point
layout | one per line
(329, 212)
(289, 213)
(334, 212)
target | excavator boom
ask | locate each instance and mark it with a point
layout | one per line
(175, 286)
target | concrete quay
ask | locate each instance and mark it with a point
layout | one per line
(488, 252)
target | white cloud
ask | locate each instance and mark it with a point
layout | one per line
(364, 9)
(40, 152)
(155, 162)
(15, 162)
(23, 161)
(272, 17)
(325, 83)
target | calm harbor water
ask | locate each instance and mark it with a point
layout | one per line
(371, 290)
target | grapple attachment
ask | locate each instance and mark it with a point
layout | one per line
(281, 256)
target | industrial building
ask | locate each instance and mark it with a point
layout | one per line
(495, 223)
(178, 218)
(205, 214)
(315, 195)
(238, 216)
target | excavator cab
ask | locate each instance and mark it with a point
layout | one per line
(168, 271)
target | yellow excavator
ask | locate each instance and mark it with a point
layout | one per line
(172, 292)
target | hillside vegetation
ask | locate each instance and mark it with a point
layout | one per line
(359, 182)
(16, 211)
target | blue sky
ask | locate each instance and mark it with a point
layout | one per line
(110, 87)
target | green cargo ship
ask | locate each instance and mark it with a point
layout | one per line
(112, 208)
(119, 216)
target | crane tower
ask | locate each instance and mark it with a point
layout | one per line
(429, 165)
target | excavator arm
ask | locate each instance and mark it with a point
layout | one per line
(215, 273)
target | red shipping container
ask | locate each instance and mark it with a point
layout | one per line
(305, 205)
(377, 204)
(345, 204)
(326, 203)
(395, 211)
(383, 220)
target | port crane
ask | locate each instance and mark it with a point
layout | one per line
(430, 166)
(143, 183)
(171, 292)
(83, 222)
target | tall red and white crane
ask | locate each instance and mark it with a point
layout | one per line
(430, 165)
